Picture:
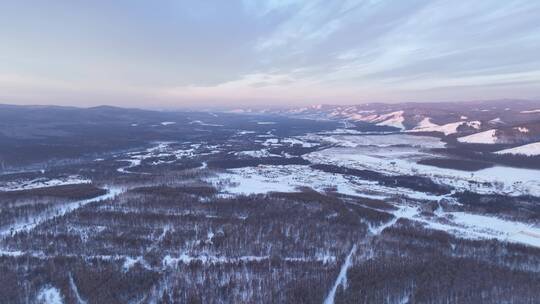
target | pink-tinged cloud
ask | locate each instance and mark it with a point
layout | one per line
(274, 52)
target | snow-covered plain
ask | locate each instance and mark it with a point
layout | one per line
(389, 154)
(290, 178)
(401, 160)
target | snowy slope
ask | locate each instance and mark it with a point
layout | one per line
(394, 119)
(529, 150)
(486, 137)
(426, 123)
(530, 111)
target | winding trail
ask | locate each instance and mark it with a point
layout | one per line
(75, 290)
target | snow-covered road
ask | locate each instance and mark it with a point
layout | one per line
(342, 277)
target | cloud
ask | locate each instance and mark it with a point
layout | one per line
(273, 51)
(262, 8)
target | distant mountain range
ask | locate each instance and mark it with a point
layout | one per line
(478, 122)
(513, 123)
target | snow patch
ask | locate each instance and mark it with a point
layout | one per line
(497, 120)
(296, 141)
(254, 153)
(130, 262)
(168, 123)
(522, 129)
(200, 123)
(271, 142)
(49, 295)
(245, 132)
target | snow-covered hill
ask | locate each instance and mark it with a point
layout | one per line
(486, 137)
(519, 123)
(529, 150)
(451, 128)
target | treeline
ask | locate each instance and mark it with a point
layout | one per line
(524, 207)
(26, 206)
(148, 167)
(457, 164)
(417, 183)
(73, 192)
(172, 191)
(367, 211)
(437, 279)
(412, 264)
(230, 163)
(479, 154)
(186, 243)
(260, 248)
(90, 280)
(295, 150)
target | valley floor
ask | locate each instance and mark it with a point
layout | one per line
(265, 218)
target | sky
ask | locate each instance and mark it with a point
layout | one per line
(249, 53)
